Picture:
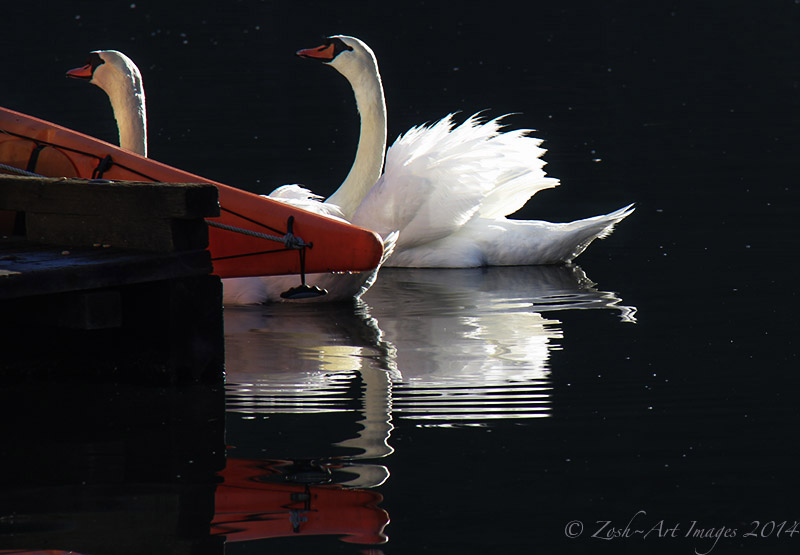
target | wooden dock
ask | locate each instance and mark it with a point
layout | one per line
(108, 277)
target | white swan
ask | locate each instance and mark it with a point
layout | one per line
(448, 188)
(121, 80)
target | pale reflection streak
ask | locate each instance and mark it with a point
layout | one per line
(440, 347)
(474, 345)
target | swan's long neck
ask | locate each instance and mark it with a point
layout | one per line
(368, 163)
(128, 103)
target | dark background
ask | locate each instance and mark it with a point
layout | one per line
(689, 109)
(667, 95)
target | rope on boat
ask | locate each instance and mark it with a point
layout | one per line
(103, 163)
(290, 241)
(19, 171)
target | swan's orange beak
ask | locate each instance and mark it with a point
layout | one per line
(84, 72)
(324, 53)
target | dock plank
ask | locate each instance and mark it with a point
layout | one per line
(159, 217)
(59, 195)
(32, 269)
(152, 234)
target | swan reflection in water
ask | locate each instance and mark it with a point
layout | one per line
(440, 347)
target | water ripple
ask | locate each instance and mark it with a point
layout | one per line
(434, 347)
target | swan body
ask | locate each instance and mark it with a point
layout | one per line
(121, 80)
(448, 188)
(506, 242)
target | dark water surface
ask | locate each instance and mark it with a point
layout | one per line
(647, 397)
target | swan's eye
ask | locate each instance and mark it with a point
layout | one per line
(339, 46)
(95, 60)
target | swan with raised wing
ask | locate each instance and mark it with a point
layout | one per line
(448, 188)
(121, 80)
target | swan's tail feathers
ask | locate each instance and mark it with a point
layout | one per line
(614, 218)
(598, 227)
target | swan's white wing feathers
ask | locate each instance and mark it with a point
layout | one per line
(294, 192)
(300, 197)
(413, 204)
(520, 173)
(438, 177)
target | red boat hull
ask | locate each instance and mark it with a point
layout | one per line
(48, 149)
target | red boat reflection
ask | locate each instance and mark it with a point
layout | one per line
(262, 499)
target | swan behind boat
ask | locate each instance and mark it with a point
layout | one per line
(121, 80)
(342, 286)
(448, 188)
